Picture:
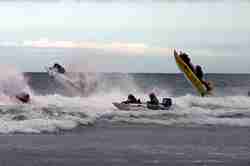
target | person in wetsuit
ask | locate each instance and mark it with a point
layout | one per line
(200, 75)
(23, 97)
(59, 68)
(187, 60)
(132, 100)
(153, 99)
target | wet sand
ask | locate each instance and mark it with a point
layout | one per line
(129, 145)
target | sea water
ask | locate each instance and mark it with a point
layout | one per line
(54, 107)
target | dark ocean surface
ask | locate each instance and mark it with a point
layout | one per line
(176, 84)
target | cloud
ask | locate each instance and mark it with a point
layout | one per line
(124, 48)
(121, 1)
(137, 1)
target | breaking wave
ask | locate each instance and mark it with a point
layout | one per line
(57, 112)
(54, 113)
(191, 110)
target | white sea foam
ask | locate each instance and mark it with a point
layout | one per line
(54, 112)
(193, 110)
(12, 83)
(51, 113)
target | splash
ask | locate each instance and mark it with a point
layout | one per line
(83, 80)
(53, 113)
(12, 82)
(79, 80)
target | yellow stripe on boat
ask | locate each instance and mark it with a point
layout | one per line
(190, 76)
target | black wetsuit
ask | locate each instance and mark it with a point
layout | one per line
(187, 60)
(59, 68)
(199, 73)
(132, 100)
(23, 97)
(153, 99)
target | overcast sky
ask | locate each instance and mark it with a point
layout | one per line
(125, 36)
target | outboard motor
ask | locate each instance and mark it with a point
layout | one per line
(167, 102)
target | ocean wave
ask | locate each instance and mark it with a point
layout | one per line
(53, 113)
(193, 110)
